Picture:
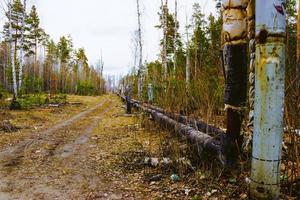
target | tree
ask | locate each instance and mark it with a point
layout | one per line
(57, 69)
(199, 40)
(164, 19)
(52, 55)
(82, 61)
(12, 34)
(22, 45)
(65, 47)
(35, 35)
(298, 48)
(140, 70)
(171, 39)
(175, 40)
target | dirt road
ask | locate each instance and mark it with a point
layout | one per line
(56, 163)
(99, 153)
(90, 155)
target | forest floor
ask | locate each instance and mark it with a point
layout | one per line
(95, 151)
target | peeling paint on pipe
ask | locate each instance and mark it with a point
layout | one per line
(269, 99)
(234, 42)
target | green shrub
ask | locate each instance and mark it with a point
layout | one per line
(60, 98)
(28, 101)
(24, 103)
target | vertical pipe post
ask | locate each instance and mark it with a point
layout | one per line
(128, 93)
(269, 99)
(150, 93)
(234, 42)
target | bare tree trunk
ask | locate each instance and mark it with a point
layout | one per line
(298, 50)
(35, 58)
(188, 63)
(164, 53)
(196, 64)
(175, 43)
(12, 54)
(140, 70)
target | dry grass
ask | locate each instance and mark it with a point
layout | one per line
(36, 120)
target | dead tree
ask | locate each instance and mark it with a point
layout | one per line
(164, 49)
(175, 42)
(298, 51)
(140, 70)
(188, 62)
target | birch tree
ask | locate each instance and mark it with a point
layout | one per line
(175, 42)
(298, 49)
(188, 63)
(12, 48)
(140, 70)
(12, 33)
(164, 7)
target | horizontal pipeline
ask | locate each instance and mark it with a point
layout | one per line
(202, 141)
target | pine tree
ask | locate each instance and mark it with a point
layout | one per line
(51, 58)
(65, 47)
(34, 36)
(22, 45)
(199, 40)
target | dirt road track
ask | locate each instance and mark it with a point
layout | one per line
(27, 170)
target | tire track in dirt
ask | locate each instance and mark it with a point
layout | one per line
(12, 156)
(70, 148)
(70, 156)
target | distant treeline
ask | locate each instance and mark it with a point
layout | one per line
(30, 62)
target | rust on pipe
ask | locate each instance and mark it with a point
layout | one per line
(269, 99)
(234, 42)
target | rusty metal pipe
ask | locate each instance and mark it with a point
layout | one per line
(197, 124)
(234, 42)
(202, 142)
(269, 99)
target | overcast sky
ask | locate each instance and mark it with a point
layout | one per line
(109, 25)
